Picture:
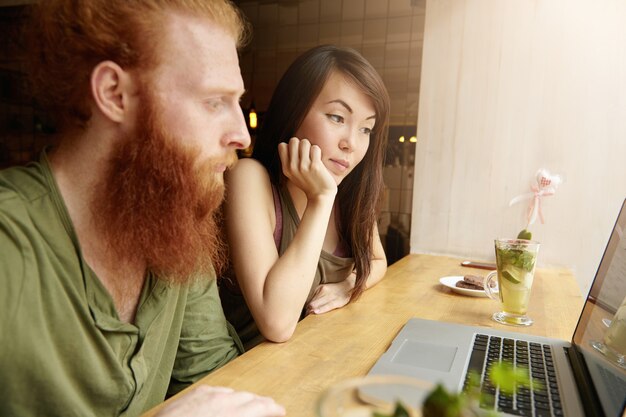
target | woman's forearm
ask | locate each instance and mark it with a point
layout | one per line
(289, 280)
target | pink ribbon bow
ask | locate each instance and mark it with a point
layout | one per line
(546, 186)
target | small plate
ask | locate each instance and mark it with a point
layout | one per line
(450, 282)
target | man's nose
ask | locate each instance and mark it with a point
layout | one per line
(238, 137)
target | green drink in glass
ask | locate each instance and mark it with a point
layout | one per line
(515, 262)
(613, 344)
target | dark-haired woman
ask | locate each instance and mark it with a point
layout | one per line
(301, 213)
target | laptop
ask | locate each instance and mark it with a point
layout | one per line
(578, 378)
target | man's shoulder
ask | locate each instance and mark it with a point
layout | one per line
(13, 216)
(21, 191)
(24, 183)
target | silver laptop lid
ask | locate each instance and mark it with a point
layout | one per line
(600, 336)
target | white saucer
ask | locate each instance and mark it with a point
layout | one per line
(450, 282)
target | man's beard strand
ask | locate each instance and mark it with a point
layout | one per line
(158, 206)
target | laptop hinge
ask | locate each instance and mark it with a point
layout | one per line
(588, 396)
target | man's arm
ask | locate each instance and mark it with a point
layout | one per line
(207, 341)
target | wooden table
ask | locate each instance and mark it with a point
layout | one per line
(345, 343)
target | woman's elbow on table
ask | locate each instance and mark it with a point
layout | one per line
(278, 331)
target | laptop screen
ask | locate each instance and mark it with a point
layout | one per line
(601, 331)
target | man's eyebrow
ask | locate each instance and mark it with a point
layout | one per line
(344, 104)
(221, 90)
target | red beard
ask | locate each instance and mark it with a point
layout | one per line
(157, 203)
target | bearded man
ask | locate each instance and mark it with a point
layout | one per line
(108, 299)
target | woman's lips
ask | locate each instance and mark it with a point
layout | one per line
(341, 164)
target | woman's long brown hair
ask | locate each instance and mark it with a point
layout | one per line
(358, 195)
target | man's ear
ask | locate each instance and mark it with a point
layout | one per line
(111, 88)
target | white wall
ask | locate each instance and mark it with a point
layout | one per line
(508, 87)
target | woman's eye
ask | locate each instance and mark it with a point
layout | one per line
(335, 118)
(366, 130)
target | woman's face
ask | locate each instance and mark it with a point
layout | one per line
(339, 122)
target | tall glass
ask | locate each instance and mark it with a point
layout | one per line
(613, 343)
(515, 262)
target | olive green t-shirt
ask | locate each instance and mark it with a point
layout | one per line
(63, 349)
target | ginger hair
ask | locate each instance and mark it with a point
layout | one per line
(68, 38)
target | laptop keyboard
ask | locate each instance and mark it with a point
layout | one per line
(543, 401)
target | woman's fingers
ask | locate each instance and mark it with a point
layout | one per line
(283, 154)
(315, 154)
(329, 297)
(294, 156)
(304, 153)
(327, 305)
(302, 164)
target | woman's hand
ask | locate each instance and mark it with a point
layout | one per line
(328, 297)
(302, 164)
